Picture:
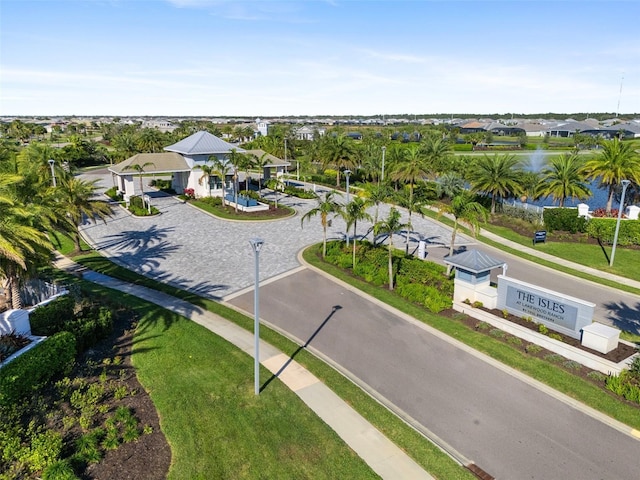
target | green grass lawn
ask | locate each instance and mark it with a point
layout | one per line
(426, 454)
(202, 387)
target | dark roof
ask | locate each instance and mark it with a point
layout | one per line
(474, 261)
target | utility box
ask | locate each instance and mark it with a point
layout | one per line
(600, 338)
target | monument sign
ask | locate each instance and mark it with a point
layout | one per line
(557, 311)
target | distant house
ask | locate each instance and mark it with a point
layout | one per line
(354, 135)
(184, 161)
(273, 163)
(305, 133)
(505, 130)
(163, 125)
(568, 129)
(263, 127)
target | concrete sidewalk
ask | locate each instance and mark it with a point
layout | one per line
(560, 261)
(383, 456)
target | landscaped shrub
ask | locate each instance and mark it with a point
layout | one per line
(88, 324)
(113, 194)
(50, 318)
(564, 219)
(421, 282)
(298, 192)
(161, 184)
(625, 385)
(604, 230)
(34, 368)
(139, 209)
(527, 214)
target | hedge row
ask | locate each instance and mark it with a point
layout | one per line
(33, 369)
(604, 230)
(564, 219)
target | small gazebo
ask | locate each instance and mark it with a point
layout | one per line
(473, 277)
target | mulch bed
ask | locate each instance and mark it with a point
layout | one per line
(623, 351)
(148, 457)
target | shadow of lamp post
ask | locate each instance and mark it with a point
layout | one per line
(256, 244)
(625, 184)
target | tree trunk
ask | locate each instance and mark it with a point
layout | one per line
(13, 286)
(610, 200)
(453, 241)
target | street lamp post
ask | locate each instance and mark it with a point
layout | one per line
(256, 244)
(384, 149)
(53, 173)
(347, 174)
(625, 184)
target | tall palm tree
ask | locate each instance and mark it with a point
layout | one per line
(436, 151)
(412, 168)
(207, 171)
(413, 204)
(564, 178)
(23, 243)
(354, 211)
(325, 206)
(618, 161)
(464, 209)
(150, 140)
(497, 176)
(339, 153)
(376, 193)
(390, 225)
(235, 159)
(221, 168)
(76, 198)
(141, 170)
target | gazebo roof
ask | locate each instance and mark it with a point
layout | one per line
(474, 261)
(160, 163)
(202, 143)
(273, 161)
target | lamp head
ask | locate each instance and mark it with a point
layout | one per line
(256, 243)
(347, 172)
(384, 148)
(51, 161)
(625, 183)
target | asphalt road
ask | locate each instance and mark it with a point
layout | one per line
(503, 424)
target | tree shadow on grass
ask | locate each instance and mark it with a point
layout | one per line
(334, 309)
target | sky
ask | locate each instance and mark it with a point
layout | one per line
(318, 57)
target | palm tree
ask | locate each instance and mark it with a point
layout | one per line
(326, 206)
(413, 204)
(235, 158)
(412, 168)
(260, 163)
(449, 185)
(76, 199)
(23, 243)
(339, 153)
(618, 161)
(150, 140)
(436, 151)
(531, 186)
(497, 176)
(140, 169)
(221, 168)
(376, 193)
(563, 178)
(355, 210)
(464, 209)
(388, 226)
(207, 171)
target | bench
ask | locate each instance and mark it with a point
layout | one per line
(540, 236)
